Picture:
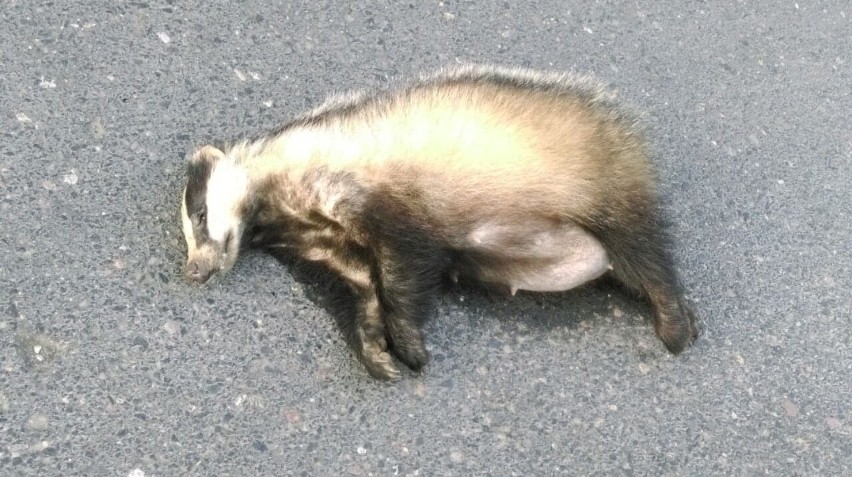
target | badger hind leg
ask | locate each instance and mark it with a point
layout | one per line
(674, 321)
(638, 250)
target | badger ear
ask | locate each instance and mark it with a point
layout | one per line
(206, 155)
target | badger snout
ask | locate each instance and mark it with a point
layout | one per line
(198, 271)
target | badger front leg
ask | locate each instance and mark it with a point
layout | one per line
(407, 283)
(407, 264)
(390, 310)
(369, 337)
(388, 319)
(394, 295)
(370, 341)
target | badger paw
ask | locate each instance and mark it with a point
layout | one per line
(677, 330)
(412, 353)
(378, 361)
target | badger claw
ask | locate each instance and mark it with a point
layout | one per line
(381, 366)
(375, 357)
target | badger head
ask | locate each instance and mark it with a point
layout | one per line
(212, 213)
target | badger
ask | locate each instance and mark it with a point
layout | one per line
(515, 178)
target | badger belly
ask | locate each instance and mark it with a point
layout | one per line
(569, 272)
(536, 255)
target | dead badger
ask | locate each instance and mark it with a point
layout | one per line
(525, 180)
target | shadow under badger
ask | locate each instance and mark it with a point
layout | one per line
(526, 180)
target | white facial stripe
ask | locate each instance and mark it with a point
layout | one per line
(226, 189)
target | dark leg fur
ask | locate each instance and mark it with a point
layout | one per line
(369, 339)
(641, 262)
(406, 290)
(408, 270)
(365, 330)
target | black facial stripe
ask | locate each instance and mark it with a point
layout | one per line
(198, 173)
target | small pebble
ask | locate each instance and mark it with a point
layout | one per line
(37, 422)
(790, 407)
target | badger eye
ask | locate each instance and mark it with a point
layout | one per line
(202, 217)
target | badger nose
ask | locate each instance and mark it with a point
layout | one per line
(198, 273)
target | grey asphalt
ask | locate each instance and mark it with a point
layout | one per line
(111, 365)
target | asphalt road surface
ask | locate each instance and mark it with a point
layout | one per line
(110, 364)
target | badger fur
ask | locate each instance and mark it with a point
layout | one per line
(525, 180)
